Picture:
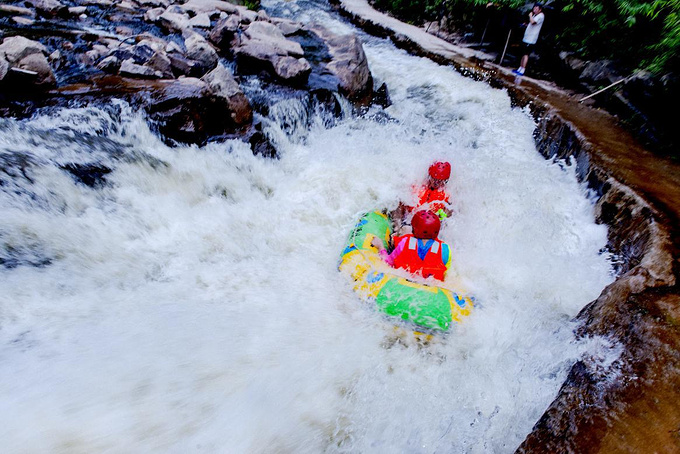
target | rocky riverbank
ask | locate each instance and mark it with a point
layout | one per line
(184, 63)
(628, 405)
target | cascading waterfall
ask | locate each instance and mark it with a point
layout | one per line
(189, 301)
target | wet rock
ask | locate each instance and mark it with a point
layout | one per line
(222, 83)
(142, 52)
(154, 14)
(4, 68)
(109, 65)
(200, 50)
(196, 7)
(38, 64)
(348, 64)
(292, 69)
(262, 16)
(599, 71)
(186, 110)
(126, 7)
(16, 48)
(224, 31)
(160, 62)
(174, 22)
(269, 35)
(130, 69)
(381, 97)
(77, 10)
(287, 27)
(18, 10)
(92, 175)
(24, 21)
(200, 20)
(49, 7)
(182, 66)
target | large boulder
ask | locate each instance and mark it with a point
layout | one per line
(264, 47)
(265, 32)
(292, 69)
(222, 83)
(200, 50)
(16, 48)
(349, 63)
(187, 110)
(224, 31)
(38, 64)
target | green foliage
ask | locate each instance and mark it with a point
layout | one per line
(640, 34)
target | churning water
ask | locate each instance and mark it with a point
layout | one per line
(191, 302)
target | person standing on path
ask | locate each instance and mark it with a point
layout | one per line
(536, 18)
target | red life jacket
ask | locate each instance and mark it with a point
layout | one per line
(435, 198)
(432, 265)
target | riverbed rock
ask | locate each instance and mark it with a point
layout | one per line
(224, 32)
(287, 27)
(196, 7)
(16, 48)
(200, 50)
(49, 7)
(174, 22)
(265, 33)
(38, 63)
(223, 85)
(4, 67)
(349, 63)
(130, 69)
(18, 10)
(186, 110)
(109, 64)
(160, 63)
(291, 69)
(201, 20)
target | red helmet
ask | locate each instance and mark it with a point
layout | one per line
(440, 170)
(425, 225)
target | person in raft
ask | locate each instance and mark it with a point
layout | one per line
(432, 195)
(420, 252)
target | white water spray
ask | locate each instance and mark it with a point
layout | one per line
(192, 303)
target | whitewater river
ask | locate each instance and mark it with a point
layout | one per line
(192, 303)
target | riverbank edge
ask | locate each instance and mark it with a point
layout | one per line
(627, 405)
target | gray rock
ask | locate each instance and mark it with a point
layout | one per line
(270, 33)
(208, 6)
(222, 83)
(38, 63)
(292, 69)
(224, 31)
(17, 47)
(126, 7)
(161, 63)
(49, 7)
(19, 10)
(263, 16)
(174, 22)
(201, 20)
(186, 110)
(77, 10)
(109, 65)
(348, 64)
(4, 68)
(182, 66)
(599, 71)
(152, 15)
(200, 50)
(130, 69)
(25, 21)
(287, 27)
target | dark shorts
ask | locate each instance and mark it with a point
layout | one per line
(527, 48)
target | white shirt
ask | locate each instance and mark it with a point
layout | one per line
(532, 31)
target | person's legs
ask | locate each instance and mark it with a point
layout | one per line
(525, 60)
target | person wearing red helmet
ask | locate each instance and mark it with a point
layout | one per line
(432, 195)
(420, 252)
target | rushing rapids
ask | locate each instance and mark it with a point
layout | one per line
(187, 299)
